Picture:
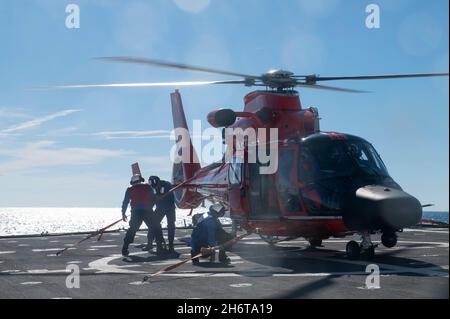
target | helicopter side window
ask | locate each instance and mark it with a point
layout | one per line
(288, 192)
(235, 171)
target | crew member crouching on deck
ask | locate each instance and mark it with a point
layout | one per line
(208, 233)
(141, 199)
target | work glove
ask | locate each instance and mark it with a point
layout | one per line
(124, 217)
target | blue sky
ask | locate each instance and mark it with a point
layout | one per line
(60, 148)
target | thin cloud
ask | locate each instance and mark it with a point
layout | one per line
(134, 134)
(44, 154)
(36, 122)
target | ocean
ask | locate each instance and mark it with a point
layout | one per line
(38, 220)
(53, 220)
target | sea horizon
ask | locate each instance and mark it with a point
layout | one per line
(15, 221)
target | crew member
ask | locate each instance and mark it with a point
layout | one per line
(208, 233)
(141, 199)
(165, 206)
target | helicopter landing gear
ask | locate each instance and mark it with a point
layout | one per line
(234, 228)
(314, 242)
(389, 239)
(353, 250)
(365, 250)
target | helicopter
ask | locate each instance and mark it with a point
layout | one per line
(327, 184)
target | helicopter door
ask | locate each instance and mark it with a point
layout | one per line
(288, 193)
(263, 198)
(235, 186)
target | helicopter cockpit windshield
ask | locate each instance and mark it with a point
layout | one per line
(328, 167)
(325, 158)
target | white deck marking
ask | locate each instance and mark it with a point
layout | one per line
(29, 283)
(54, 241)
(45, 271)
(162, 263)
(12, 241)
(75, 262)
(139, 283)
(426, 231)
(241, 285)
(102, 265)
(23, 245)
(49, 249)
(7, 252)
(105, 246)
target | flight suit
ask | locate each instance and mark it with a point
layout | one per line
(141, 199)
(208, 232)
(165, 206)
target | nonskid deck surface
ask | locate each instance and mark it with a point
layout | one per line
(416, 268)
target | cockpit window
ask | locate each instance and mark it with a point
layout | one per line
(366, 157)
(327, 159)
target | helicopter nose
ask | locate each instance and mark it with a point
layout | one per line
(379, 207)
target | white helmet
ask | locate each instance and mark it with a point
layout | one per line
(136, 179)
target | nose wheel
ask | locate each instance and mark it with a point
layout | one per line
(389, 239)
(364, 250)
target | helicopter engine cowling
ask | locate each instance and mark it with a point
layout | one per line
(376, 207)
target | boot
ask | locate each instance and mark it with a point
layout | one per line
(223, 258)
(172, 251)
(212, 256)
(195, 261)
(125, 251)
(160, 250)
(148, 247)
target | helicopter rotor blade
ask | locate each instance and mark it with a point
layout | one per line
(176, 66)
(314, 78)
(329, 88)
(140, 84)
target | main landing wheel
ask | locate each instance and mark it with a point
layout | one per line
(353, 250)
